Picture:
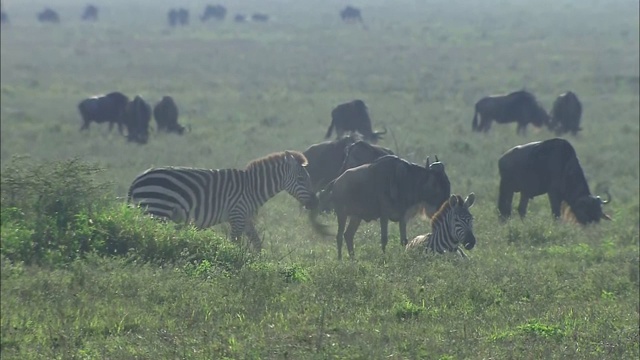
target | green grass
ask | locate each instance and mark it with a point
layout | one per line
(86, 277)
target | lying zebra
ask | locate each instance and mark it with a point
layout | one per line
(207, 197)
(451, 226)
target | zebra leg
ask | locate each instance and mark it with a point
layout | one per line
(237, 228)
(354, 223)
(252, 234)
(342, 221)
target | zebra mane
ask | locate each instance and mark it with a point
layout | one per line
(302, 160)
(437, 217)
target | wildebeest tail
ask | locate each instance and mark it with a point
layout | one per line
(329, 131)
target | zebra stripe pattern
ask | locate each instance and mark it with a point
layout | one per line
(451, 226)
(208, 197)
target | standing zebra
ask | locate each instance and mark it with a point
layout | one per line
(450, 226)
(208, 197)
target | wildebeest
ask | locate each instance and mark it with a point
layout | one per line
(547, 167)
(4, 17)
(178, 16)
(137, 119)
(49, 15)
(258, 17)
(166, 114)
(325, 160)
(217, 12)
(566, 114)
(90, 13)
(105, 108)
(451, 226)
(350, 14)
(239, 18)
(361, 152)
(389, 189)
(519, 106)
(353, 117)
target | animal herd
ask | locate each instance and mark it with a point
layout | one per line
(180, 16)
(115, 108)
(359, 180)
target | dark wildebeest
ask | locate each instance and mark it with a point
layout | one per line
(547, 167)
(90, 13)
(519, 106)
(353, 117)
(4, 17)
(177, 17)
(258, 17)
(137, 119)
(48, 15)
(389, 189)
(350, 14)
(217, 12)
(239, 18)
(105, 108)
(166, 114)
(566, 114)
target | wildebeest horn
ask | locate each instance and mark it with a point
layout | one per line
(437, 158)
(604, 202)
(427, 162)
(382, 132)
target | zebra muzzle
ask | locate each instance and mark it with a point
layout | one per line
(312, 203)
(469, 241)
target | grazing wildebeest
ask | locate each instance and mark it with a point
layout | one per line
(451, 226)
(566, 114)
(90, 13)
(137, 119)
(48, 15)
(207, 197)
(389, 189)
(239, 18)
(350, 14)
(166, 114)
(4, 17)
(177, 17)
(217, 12)
(519, 106)
(258, 17)
(353, 117)
(547, 167)
(105, 108)
(172, 17)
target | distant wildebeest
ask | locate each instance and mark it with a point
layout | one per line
(90, 13)
(451, 227)
(566, 114)
(217, 12)
(353, 117)
(239, 18)
(258, 17)
(104, 108)
(388, 189)
(166, 114)
(519, 106)
(206, 197)
(137, 119)
(350, 14)
(177, 17)
(4, 17)
(547, 167)
(48, 15)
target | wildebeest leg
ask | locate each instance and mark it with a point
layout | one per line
(120, 128)
(85, 125)
(504, 201)
(485, 123)
(253, 236)
(384, 233)
(522, 128)
(555, 201)
(342, 221)
(403, 232)
(522, 207)
(354, 223)
(110, 125)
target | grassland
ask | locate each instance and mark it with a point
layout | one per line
(105, 282)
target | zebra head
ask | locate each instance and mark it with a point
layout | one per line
(461, 221)
(297, 181)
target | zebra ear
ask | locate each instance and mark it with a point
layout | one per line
(468, 202)
(453, 200)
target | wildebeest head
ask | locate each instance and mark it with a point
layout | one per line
(297, 181)
(537, 115)
(588, 209)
